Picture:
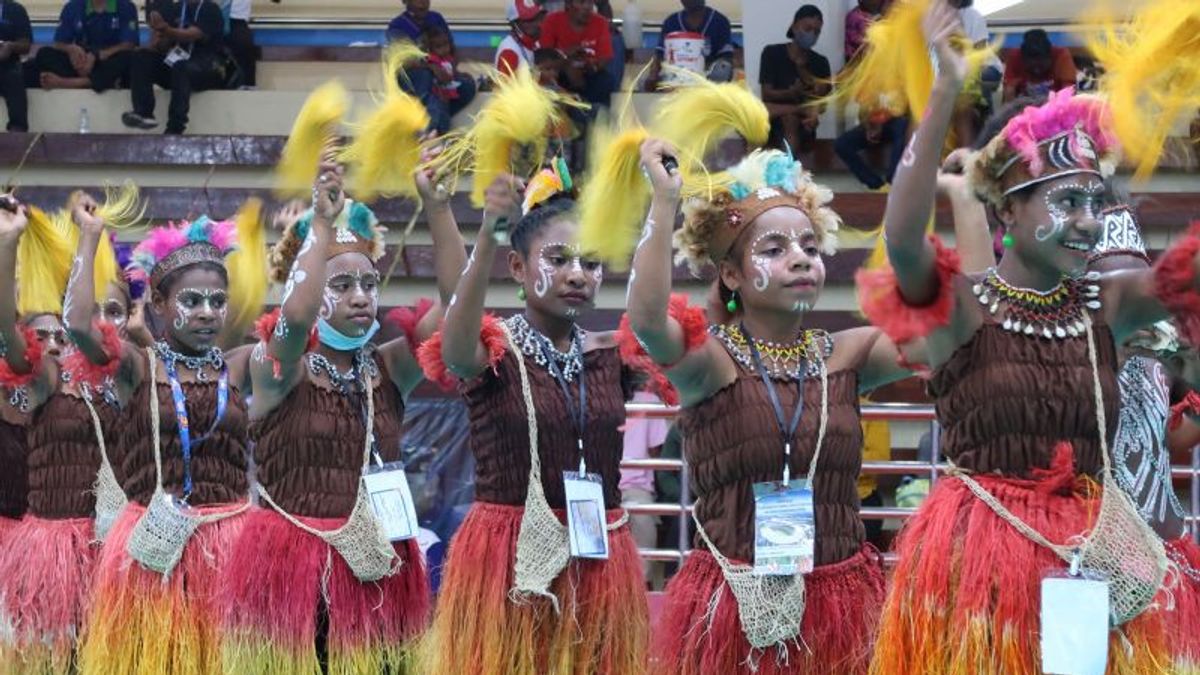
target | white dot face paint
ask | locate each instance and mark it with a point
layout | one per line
(761, 260)
(188, 301)
(545, 268)
(1067, 202)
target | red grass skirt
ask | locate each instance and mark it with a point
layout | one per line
(842, 608)
(1185, 620)
(46, 571)
(965, 592)
(284, 586)
(603, 627)
(141, 623)
(6, 526)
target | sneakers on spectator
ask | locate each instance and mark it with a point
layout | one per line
(172, 131)
(136, 121)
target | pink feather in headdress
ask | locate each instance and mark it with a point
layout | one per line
(161, 241)
(1059, 114)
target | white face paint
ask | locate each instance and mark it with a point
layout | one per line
(76, 268)
(545, 270)
(1067, 201)
(762, 263)
(189, 300)
(329, 302)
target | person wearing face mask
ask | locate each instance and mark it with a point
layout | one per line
(48, 560)
(546, 404)
(181, 457)
(1024, 379)
(793, 77)
(770, 405)
(316, 375)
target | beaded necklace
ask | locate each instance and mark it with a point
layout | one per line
(213, 359)
(781, 361)
(536, 346)
(349, 381)
(1053, 314)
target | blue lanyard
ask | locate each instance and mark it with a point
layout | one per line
(183, 13)
(185, 432)
(786, 430)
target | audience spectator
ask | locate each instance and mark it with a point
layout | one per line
(616, 65)
(583, 35)
(696, 17)
(1038, 67)
(876, 127)
(550, 65)
(858, 20)
(16, 37)
(793, 77)
(240, 40)
(93, 47)
(442, 89)
(644, 438)
(184, 56)
(525, 27)
(975, 105)
(413, 21)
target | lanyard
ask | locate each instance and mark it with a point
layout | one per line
(789, 430)
(579, 419)
(185, 432)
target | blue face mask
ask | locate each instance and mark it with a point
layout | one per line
(335, 339)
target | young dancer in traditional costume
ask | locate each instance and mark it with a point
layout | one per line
(312, 586)
(1011, 351)
(546, 398)
(181, 457)
(47, 562)
(765, 400)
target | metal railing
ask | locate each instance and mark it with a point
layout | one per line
(888, 412)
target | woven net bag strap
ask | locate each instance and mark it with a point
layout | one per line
(1064, 551)
(359, 503)
(155, 426)
(108, 489)
(822, 421)
(535, 496)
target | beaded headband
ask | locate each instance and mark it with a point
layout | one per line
(167, 249)
(1121, 235)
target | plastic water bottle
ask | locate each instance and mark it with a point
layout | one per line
(631, 25)
(84, 125)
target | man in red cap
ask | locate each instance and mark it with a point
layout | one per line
(525, 19)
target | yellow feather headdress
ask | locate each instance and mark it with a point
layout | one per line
(1152, 74)
(694, 118)
(386, 148)
(517, 118)
(314, 129)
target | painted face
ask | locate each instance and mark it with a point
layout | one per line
(50, 334)
(351, 296)
(194, 309)
(1058, 224)
(780, 268)
(557, 279)
(115, 308)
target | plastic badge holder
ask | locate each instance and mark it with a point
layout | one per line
(391, 500)
(586, 523)
(1075, 622)
(784, 528)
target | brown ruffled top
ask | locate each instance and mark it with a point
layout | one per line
(218, 463)
(64, 456)
(500, 429)
(1004, 400)
(14, 486)
(308, 451)
(732, 441)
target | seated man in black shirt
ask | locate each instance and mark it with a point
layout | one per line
(92, 47)
(16, 36)
(792, 77)
(183, 56)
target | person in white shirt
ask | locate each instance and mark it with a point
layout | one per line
(525, 20)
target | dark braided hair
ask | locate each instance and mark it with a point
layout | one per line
(537, 219)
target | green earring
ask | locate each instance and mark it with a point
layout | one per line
(732, 305)
(521, 293)
(1007, 240)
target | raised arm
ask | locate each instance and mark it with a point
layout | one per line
(78, 308)
(972, 238)
(649, 291)
(911, 199)
(462, 351)
(12, 342)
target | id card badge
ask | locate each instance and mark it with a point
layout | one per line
(785, 529)
(586, 522)
(391, 500)
(176, 55)
(1075, 625)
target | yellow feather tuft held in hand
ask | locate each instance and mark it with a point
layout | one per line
(518, 119)
(894, 69)
(43, 265)
(314, 129)
(1152, 74)
(121, 209)
(247, 267)
(696, 116)
(614, 201)
(386, 149)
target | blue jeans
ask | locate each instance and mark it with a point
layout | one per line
(420, 83)
(849, 147)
